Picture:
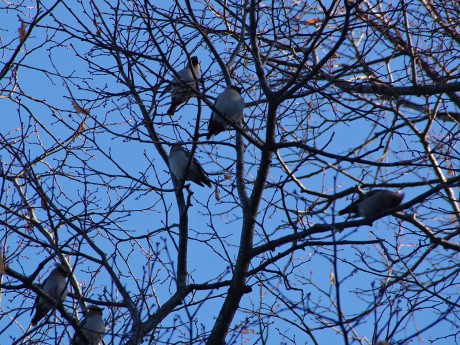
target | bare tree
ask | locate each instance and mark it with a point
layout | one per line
(341, 98)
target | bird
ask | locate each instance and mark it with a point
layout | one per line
(55, 287)
(373, 203)
(183, 84)
(93, 327)
(179, 160)
(231, 105)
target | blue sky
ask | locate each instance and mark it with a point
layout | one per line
(115, 142)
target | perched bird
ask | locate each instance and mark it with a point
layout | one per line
(55, 287)
(92, 325)
(231, 105)
(179, 159)
(183, 84)
(373, 203)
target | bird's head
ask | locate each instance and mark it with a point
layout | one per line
(236, 88)
(63, 270)
(177, 147)
(94, 309)
(194, 60)
(392, 199)
(398, 198)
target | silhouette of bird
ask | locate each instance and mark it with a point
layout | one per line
(55, 287)
(373, 203)
(92, 325)
(183, 84)
(179, 160)
(229, 104)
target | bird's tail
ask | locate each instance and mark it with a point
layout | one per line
(207, 182)
(348, 209)
(172, 108)
(39, 314)
(214, 128)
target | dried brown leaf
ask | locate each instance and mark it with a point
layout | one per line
(22, 31)
(43, 202)
(30, 224)
(2, 264)
(79, 109)
(98, 28)
(332, 278)
(312, 21)
(450, 168)
(82, 127)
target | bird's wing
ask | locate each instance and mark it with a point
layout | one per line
(365, 196)
(186, 152)
(42, 285)
(368, 195)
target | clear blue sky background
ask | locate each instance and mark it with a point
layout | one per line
(142, 160)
